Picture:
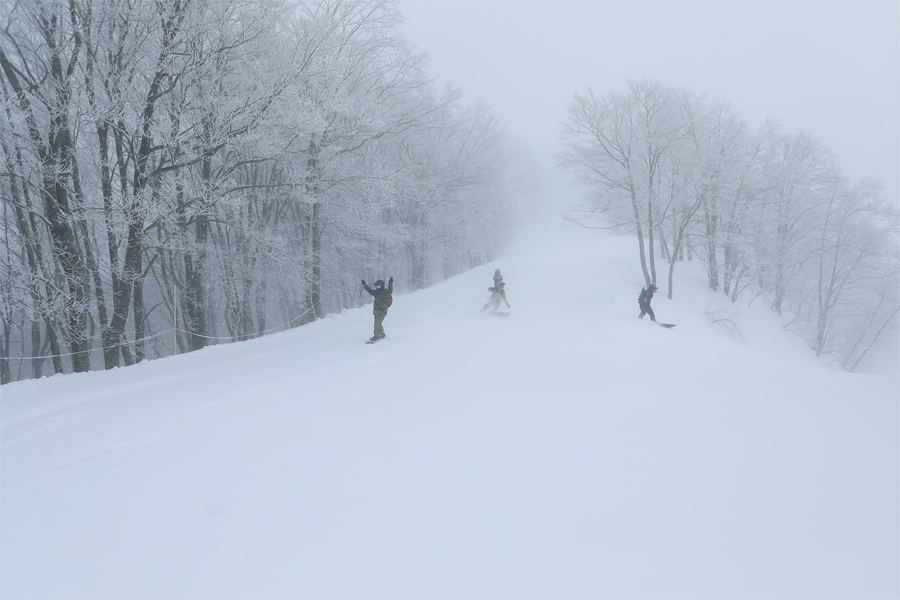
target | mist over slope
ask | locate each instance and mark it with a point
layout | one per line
(567, 450)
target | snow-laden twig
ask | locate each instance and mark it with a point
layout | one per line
(725, 323)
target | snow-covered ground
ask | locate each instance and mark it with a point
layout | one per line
(569, 450)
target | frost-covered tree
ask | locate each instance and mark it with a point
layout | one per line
(623, 146)
(223, 169)
(767, 210)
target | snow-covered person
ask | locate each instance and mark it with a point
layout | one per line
(644, 301)
(383, 297)
(498, 278)
(498, 294)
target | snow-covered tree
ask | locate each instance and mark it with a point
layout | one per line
(768, 210)
(225, 169)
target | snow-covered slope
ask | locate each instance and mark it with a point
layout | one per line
(569, 450)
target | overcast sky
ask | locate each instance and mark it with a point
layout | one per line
(831, 68)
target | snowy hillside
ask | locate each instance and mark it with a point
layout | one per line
(569, 450)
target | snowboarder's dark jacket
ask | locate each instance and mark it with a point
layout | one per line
(381, 296)
(645, 297)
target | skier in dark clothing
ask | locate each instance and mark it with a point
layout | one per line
(644, 301)
(383, 297)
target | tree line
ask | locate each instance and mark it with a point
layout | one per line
(182, 172)
(769, 213)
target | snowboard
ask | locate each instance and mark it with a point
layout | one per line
(501, 314)
(373, 341)
(666, 325)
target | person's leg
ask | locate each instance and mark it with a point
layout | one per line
(379, 318)
(652, 316)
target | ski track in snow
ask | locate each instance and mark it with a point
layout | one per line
(569, 450)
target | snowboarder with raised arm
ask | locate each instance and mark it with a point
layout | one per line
(498, 293)
(383, 300)
(644, 301)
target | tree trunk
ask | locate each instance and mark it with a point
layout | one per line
(315, 231)
(37, 362)
(650, 241)
(5, 372)
(640, 237)
(140, 325)
(727, 258)
(261, 290)
(110, 346)
(712, 268)
(419, 267)
(194, 292)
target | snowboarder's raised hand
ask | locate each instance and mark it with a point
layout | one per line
(391, 281)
